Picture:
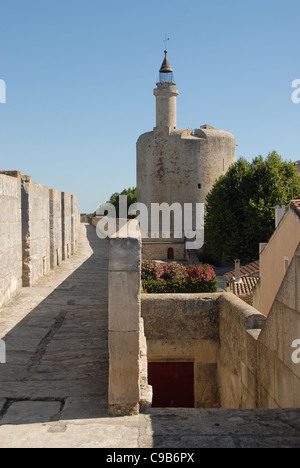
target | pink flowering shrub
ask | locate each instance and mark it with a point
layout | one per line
(177, 278)
(248, 298)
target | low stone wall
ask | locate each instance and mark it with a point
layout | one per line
(185, 327)
(241, 358)
(278, 353)
(38, 228)
(128, 383)
(239, 328)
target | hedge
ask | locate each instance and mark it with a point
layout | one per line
(158, 278)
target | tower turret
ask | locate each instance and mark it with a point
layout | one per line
(166, 94)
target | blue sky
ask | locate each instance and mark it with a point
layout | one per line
(80, 76)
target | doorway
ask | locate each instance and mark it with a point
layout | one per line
(171, 254)
(172, 384)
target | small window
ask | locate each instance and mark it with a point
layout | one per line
(199, 186)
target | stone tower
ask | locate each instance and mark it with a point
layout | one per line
(177, 166)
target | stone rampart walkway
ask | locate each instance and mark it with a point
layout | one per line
(56, 340)
(53, 388)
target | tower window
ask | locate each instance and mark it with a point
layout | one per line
(199, 186)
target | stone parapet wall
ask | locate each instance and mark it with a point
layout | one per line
(279, 345)
(242, 358)
(55, 228)
(10, 236)
(35, 231)
(128, 383)
(38, 229)
(240, 326)
(185, 327)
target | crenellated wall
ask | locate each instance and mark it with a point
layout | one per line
(38, 229)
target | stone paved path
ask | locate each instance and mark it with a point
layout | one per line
(53, 389)
(56, 339)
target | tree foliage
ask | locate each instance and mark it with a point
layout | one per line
(131, 199)
(240, 208)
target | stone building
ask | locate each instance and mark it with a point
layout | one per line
(177, 166)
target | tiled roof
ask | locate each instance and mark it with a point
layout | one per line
(295, 206)
(248, 270)
(246, 287)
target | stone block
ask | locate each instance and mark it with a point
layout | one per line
(297, 281)
(264, 399)
(248, 380)
(287, 290)
(124, 301)
(272, 333)
(287, 387)
(125, 255)
(32, 412)
(266, 369)
(290, 333)
(124, 387)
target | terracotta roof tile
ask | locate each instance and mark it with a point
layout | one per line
(246, 287)
(248, 270)
(295, 206)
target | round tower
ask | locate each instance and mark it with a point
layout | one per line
(166, 94)
(176, 167)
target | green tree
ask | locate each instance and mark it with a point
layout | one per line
(240, 208)
(131, 199)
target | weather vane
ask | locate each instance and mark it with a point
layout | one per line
(166, 41)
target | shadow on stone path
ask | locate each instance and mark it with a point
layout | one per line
(57, 354)
(53, 389)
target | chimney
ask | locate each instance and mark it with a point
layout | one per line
(279, 214)
(237, 271)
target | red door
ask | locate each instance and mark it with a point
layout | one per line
(173, 384)
(171, 254)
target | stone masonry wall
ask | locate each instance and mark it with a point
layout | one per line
(242, 359)
(66, 225)
(278, 346)
(10, 236)
(185, 327)
(128, 388)
(259, 365)
(38, 229)
(239, 328)
(55, 228)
